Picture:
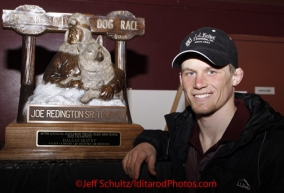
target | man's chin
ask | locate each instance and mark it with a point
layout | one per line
(203, 111)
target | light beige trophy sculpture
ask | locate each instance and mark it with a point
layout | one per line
(80, 109)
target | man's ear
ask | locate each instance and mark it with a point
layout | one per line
(180, 80)
(238, 76)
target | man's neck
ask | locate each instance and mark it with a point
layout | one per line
(212, 127)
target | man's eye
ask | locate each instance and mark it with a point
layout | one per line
(189, 73)
(211, 72)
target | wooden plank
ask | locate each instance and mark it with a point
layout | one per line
(176, 101)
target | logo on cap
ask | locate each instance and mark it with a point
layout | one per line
(188, 42)
(204, 38)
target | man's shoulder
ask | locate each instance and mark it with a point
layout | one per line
(177, 119)
(275, 135)
(176, 115)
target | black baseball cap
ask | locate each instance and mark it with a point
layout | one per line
(211, 43)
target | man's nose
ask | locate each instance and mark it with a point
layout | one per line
(200, 82)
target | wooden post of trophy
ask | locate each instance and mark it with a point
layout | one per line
(76, 138)
(27, 74)
(120, 61)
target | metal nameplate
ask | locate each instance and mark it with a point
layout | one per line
(75, 138)
(75, 114)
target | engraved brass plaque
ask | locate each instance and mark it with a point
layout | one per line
(63, 138)
(75, 114)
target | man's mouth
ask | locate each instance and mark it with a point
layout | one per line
(202, 96)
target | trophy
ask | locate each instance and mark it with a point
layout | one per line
(80, 109)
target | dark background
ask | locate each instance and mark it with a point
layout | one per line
(148, 57)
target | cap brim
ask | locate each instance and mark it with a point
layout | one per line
(179, 59)
(216, 58)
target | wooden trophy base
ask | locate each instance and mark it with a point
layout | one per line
(31, 141)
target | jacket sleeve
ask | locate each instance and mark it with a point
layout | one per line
(273, 178)
(275, 182)
(158, 138)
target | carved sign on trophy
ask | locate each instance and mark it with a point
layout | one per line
(82, 99)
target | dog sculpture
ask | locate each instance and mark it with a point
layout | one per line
(96, 69)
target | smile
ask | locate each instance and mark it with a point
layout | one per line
(202, 96)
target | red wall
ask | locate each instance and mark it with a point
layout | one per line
(261, 59)
(148, 57)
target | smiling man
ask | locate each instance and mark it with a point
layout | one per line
(235, 140)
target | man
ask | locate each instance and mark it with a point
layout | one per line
(233, 139)
(65, 62)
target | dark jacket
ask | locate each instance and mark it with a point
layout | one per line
(254, 163)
